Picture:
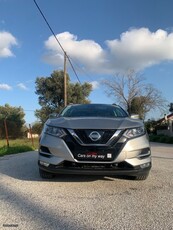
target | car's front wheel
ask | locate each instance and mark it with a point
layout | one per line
(45, 175)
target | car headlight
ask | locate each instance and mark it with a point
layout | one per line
(135, 132)
(54, 131)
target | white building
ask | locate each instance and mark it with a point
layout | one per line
(168, 120)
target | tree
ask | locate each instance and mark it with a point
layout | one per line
(79, 93)
(134, 94)
(14, 117)
(138, 106)
(43, 113)
(37, 128)
(51, 94)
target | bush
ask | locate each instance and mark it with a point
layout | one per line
(153, 138)
(161, 138)
(170, 140)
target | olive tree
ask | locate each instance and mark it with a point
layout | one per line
(14, 119)
(50, 91)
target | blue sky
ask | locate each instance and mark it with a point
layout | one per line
(102, 36)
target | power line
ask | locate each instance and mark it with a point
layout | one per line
(57, 40)
(82, 70)
(73, 69)
(48, 25)
(29, 110)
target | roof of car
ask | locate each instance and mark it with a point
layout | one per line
(93, 104)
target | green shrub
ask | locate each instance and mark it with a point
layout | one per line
(161, 138)
(170, 140)
(153, 138)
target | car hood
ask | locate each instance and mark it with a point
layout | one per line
(94, 123)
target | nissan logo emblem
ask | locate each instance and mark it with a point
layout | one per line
(94, 136)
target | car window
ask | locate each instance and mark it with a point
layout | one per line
(91, 110)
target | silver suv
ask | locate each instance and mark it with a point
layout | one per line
(97, 139)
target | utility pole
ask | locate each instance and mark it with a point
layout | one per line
(65, 80)
(6, 132)
(30, 131)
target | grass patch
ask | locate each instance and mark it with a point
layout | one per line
(17, 146)
(13, 150)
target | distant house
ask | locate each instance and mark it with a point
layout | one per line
(166, 125)
(34, 135)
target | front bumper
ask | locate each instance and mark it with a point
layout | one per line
(95, 170)
(132, 158)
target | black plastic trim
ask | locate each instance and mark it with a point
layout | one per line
(126, 172)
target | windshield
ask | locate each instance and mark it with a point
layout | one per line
(93, 110)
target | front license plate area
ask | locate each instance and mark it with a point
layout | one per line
(94, 156)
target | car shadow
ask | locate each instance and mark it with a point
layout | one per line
(23, 166)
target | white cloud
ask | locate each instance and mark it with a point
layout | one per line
(5, 87)
(7, 40)
(22, 86)
(95, 84)
(140, 48)
(136, 49)
(87, 52)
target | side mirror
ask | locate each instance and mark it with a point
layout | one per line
(134, 116)
(53, 115)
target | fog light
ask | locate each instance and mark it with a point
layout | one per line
(146, 165)
(44, 163)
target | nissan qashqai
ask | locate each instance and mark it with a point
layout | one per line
(94, 139)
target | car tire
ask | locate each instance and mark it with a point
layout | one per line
(45, 175)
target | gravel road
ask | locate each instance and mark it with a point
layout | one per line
(28, 202)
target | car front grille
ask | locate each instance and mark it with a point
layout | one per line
(104, 150)
(88, 137)
(84, 136)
